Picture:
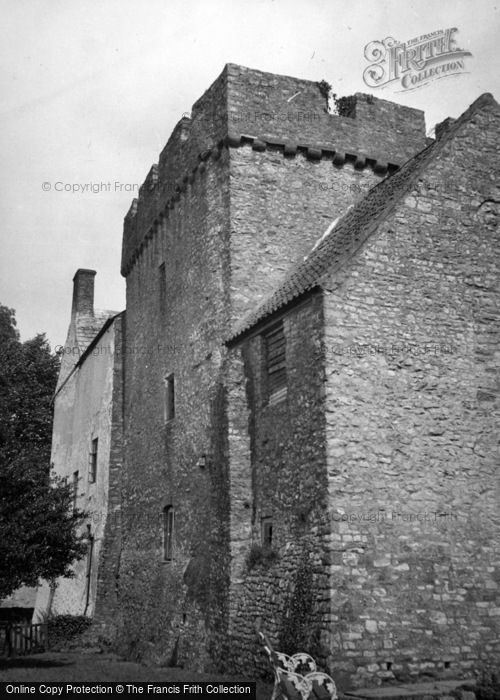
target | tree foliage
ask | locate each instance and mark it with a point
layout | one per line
(38, 528)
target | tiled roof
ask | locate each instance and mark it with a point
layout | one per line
(87, 327)
(352, 230)
(82, 331)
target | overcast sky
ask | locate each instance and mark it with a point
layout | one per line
(93, 89)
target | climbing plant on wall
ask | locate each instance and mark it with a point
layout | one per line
(296, 625)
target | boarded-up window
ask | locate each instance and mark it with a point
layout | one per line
(168, 533)
(275, 360)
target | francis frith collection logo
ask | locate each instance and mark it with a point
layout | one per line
(414, 63)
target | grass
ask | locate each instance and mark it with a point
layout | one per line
(95, 667)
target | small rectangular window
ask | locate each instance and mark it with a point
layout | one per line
(267, 532)
(275, 364)
(168, 533)
(169, 397)
(74, 488)
(93, 461)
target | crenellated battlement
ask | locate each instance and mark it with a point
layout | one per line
(246, 107)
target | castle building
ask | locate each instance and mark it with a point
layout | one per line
(310, 389)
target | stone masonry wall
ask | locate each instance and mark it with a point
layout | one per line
(278, 470)
(280, 206)
(413, 413)
(245, 105)
(295, 168)
(209, 211)
(173, 610)
(282, 108)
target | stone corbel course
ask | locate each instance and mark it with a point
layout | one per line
(234, 140)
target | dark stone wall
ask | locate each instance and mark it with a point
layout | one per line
(225, 214)
(169, 606)
(278, 455)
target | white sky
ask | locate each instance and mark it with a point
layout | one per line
(93, 89)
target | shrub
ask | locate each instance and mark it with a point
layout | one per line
(296, 623)
(261, 556)
(65, 629)
(488, 688)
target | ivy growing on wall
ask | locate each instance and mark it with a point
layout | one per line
(325, 89)
(261, 556)
(295, 631)
(346, 106)
(488, 688)
(341, 106)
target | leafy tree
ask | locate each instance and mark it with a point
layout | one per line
(37, 525)
(38, 528)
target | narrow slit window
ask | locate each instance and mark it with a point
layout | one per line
(162, 281)
(74, 490)
(168, 533)
(93, 461)
(169, 397)
(267, 532)
(275, 362)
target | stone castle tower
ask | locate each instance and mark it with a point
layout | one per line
(242, 189)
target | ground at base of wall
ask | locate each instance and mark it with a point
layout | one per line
(87, 665)
(91, 665)
(435, 690)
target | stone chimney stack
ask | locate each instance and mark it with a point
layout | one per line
(83, 293)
